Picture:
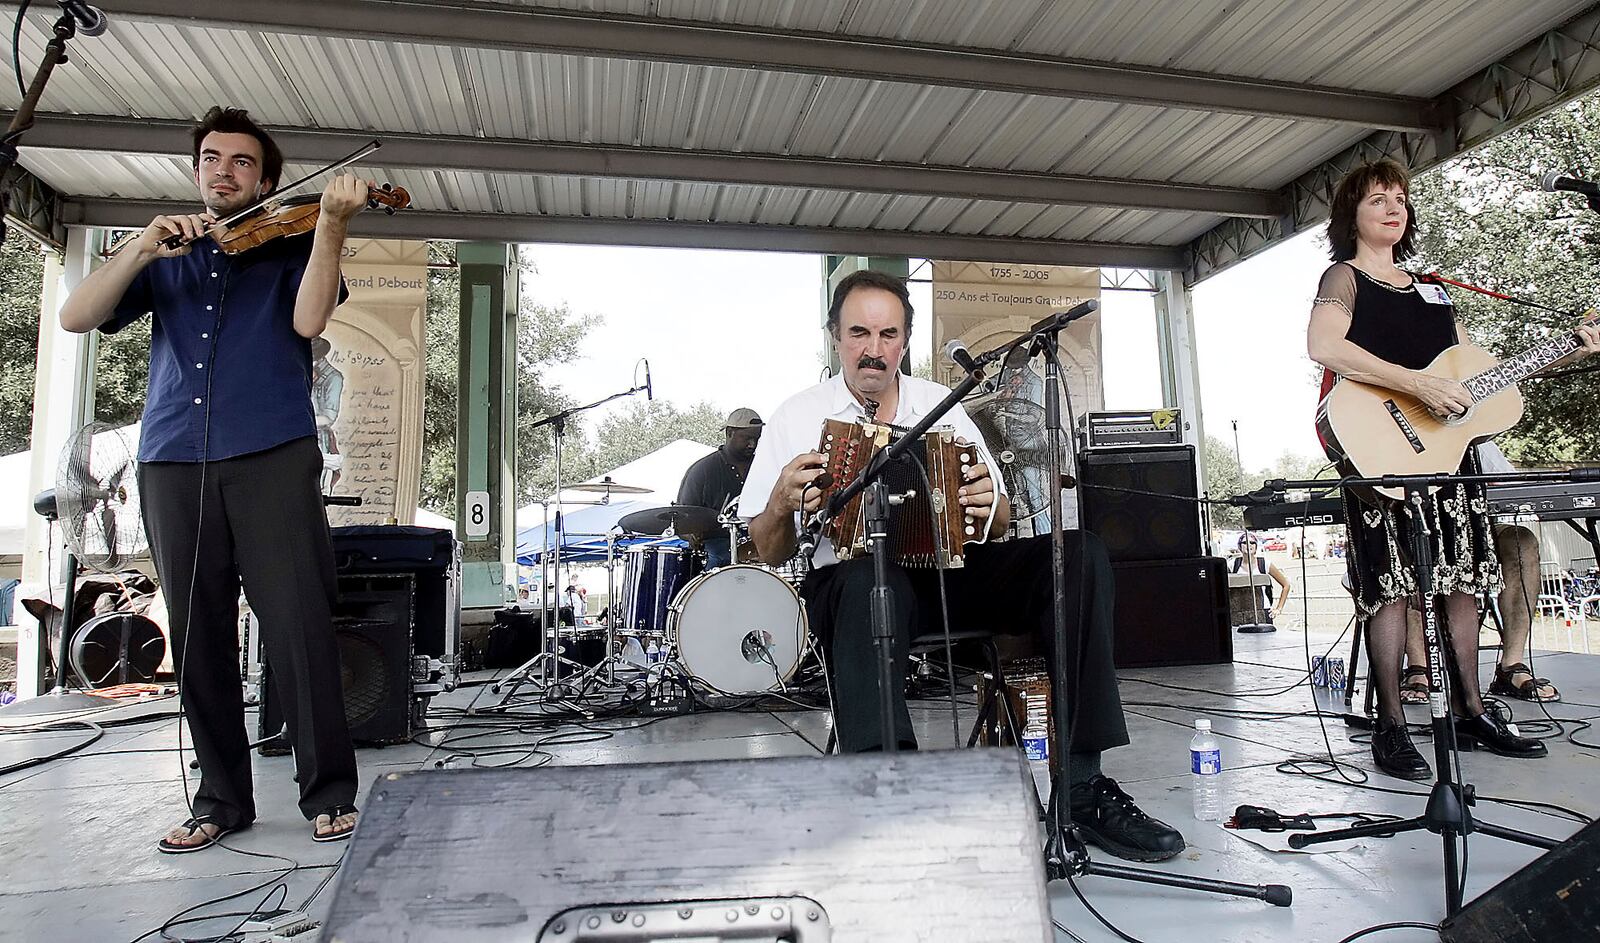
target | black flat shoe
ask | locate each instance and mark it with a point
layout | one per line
(1490, 732)
(1107, 817)
(1394, 754)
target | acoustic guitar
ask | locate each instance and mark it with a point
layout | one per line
(1379, 431)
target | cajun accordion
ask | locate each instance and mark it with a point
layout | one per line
(931, 528)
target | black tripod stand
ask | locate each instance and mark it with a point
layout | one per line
(1066, 855)
(1448, 812)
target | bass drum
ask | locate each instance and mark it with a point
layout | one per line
(739, 630)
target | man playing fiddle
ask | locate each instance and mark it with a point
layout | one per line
(229, 469)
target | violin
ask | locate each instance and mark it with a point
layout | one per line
(276, 215)
(294, 216)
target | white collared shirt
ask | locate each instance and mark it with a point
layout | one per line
(796, 427)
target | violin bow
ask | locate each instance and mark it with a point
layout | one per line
(175, 241)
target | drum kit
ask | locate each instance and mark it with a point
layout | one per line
(739, 629)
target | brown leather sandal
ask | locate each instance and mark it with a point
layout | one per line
(1414, 688)
(1528, 690)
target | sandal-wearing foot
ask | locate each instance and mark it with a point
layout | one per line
(201, 825)
(335, 831)
(1531, 689)
(1414, 688)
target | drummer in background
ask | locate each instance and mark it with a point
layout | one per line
(719, 477)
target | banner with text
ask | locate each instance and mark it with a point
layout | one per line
(986, 304)
(367, 382)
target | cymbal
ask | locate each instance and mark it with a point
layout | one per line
(607, 486)
(685, 520)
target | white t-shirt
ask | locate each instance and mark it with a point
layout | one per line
(796, 426)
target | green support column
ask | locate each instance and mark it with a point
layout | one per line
(486, 424)
(834, 269)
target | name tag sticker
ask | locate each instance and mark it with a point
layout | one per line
(1433, 294)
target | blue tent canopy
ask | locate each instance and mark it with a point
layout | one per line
(585, 534)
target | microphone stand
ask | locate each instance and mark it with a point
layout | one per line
(1447, 811)
(877, 502)
(551, 678)
(55, 53)
(1065, 853)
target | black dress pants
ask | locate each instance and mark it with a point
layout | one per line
(1005, 588)
(257, 520)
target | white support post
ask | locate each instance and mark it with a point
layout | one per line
(1180, 366)
(63, 400)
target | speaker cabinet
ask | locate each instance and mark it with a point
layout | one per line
(1172, 612)
(372, 624)
(1556, 897)
(940, 847)
(1139, 501)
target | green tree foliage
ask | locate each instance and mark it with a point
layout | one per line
(1224, 478)
(1484, 221)
(640, 428)
(21, 278)
(546, 335)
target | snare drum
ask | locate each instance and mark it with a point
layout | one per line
(651, 578)
(740, 629)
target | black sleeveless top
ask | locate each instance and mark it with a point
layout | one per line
(1398, 324)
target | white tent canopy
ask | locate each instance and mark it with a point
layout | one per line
(661, 471)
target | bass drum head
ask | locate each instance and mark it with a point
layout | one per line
(740, 629)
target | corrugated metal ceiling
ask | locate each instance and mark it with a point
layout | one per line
(154, 69)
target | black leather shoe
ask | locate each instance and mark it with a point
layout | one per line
(1107, 817)
(1490, 732)
(1394, 754)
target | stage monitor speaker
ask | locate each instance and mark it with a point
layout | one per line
(1556, 897)
(1122, 491)
(372, 624)
(937, 847)
(1172, 612)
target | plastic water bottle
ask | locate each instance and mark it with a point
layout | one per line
(652, 653)
(1205, 765)
(1036, 743)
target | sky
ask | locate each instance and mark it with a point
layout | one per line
(745, 329)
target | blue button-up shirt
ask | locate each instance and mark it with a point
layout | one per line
(223, 351)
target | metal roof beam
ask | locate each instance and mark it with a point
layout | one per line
(32, 205)
(526, 29)
(435, 152)
(1547, 73)
(414, 224)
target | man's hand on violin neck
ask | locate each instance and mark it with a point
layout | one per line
(344, 197)
(187, 228)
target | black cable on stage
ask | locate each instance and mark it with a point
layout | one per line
(1381, 927)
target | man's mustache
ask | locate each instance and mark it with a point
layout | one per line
(871, 361)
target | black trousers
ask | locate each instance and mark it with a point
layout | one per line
(1005, 588)
(257, 520)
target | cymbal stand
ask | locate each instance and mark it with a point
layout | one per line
(548, 662)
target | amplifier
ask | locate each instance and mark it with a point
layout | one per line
(1172, 612)
(372, 626)
(1100, 430)
(940, 847)
(1556, 897)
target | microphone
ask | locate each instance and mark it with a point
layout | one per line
(91, 21)
(649, 391)
(1555, 180)
(956, 350)
(1063, 318)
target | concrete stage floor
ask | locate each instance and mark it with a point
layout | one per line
(77, 860)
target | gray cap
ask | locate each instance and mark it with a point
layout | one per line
(743, 418)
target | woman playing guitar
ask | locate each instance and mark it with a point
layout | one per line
(1376, 323)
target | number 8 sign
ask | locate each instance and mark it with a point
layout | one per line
(477, 522)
